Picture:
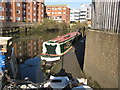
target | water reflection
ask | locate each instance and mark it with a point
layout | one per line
(29, 44)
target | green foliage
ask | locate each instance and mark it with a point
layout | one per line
(50, 25)
(78, 26)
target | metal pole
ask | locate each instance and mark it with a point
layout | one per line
(62, 61)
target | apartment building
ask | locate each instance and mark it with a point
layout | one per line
(74, 15)
(85, 12)
(60, 13)
(27, 11)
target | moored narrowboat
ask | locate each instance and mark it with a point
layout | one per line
(57, 47)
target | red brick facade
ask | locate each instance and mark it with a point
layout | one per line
(22, 11)
(60, 13)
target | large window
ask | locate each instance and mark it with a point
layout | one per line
(48, 8)
(59, 8)
(18, 18)
(18, 4)
(1, 9)
(1, 17)
(59, 13)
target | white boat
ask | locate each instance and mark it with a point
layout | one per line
(82, 87)
(56, 82)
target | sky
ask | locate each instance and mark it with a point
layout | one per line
(73, 4)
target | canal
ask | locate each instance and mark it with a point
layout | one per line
(28, 45)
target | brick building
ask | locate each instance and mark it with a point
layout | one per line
(60, 13)
(22, 11)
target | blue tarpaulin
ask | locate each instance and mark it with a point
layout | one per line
(31, 68)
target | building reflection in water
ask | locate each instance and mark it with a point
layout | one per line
(27, 48)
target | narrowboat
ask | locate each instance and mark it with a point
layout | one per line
(57, 47)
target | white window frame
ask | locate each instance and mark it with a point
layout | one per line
(34, 20)
(41, 15)
(29, 13)
(59, 8)
(34, 14)
(48, 12)
(1, 8)
(34, 8)
(2, 18)
(64, 12)
(18, 4)
(10, 17)
(18, 18)
(53, 8)
(59, 12)
(34, 2)
(28, 7)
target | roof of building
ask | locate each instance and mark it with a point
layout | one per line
(59, 5)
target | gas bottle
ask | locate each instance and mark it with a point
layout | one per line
(2, 61)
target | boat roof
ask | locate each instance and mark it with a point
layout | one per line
(64, 37)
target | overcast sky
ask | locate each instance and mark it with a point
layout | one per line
(71, 3)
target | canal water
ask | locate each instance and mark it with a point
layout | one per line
(28, 45)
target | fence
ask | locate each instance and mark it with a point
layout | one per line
(106, 15)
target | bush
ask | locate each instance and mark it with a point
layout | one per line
(50, 25)
(78, 26)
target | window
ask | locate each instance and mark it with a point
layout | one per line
(10, 10)
(10, 17)
(64, 13)
(53, 8)
(34, 2)
(48, 9)
(18, 11)
(42, 15)
(34, 8)
(18, 18)
(1, 17)
(48, 12)
(20, 54)
(18, 4)
(34, 19)
(28, 13)
(34, 14)
(6, 17)
(53, 13)
(59, 9)
(28, 19)
(28, 7)
(76, 13)
(1, 9)
(42, 10)
(59, 13)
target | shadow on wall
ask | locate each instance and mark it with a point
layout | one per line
(80, 51)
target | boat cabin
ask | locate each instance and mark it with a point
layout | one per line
(53, 49)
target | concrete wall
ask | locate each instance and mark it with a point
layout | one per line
(101, 58)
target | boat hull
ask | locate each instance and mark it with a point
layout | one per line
(55, 48)
(51, 59)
